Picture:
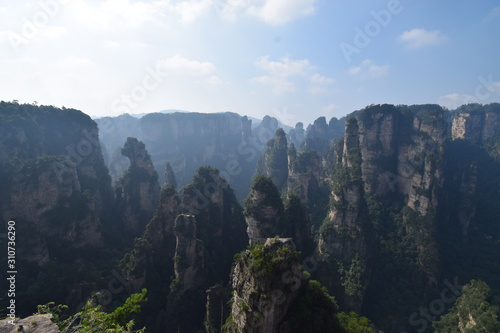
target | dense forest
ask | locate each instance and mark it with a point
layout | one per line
(386, 220)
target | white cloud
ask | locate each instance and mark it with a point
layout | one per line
(279, 72)
(230, 9)
(182, 66)
(25, 61)
(112, 44)
(417, 38)
(453, 101)
(214, 80)
(317, 90)
(329, 108)
(368, 69)
(73, 62)
(285, 67)
(378, 71)
(320, 79)
(279, 84)
(189, 11)
(281, 12)
(110, 14)
(53, 32)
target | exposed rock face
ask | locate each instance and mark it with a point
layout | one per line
(190, 258)
(476, 123)
(298, 224)
(347, 197)
(217, 309)
(320, 135)
(140, 188)
(56, 188)
(274, 161)
(264, 211)
(400, 153)
(193, 237)
(297, 134)
(304, 175)
(188, 141)
(32, 324)
(55, 191)
(170, 176)
(266, 281)
(394, 155)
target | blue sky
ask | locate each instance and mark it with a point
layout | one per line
(293, 59)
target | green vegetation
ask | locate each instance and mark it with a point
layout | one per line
(315, 311)
(354, 278)
(92, 320)
(265, 186)
(354, 323)
(475, 311)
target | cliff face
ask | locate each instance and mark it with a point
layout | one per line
(404, 179)
(140, 188)
(389, 156)
(274, 161)
(304, 175)
(192, 237)
(56, 188)
(263, 211)
(266, 281)
(320, 135)
(401, 152)
(187, 141)
(476, 123)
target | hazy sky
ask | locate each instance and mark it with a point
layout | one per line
(293, 59)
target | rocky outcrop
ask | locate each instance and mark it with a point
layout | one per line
(297, 134)
(217, 308)
(140, 188)
(263, 211)
(390, 154)
(266, 281)
(347, 198)
(304, 175)
(401, 152)
(476, 123)
(31, 324)
(190, 260)
(188, 141)
(170, 176)
(192, 237)
(274, 161)
(56, 189)
(320, 135)
(54, 179)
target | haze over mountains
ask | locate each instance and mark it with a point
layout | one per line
(235, 227)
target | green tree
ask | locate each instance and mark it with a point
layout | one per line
(473, 312)
(92, 320)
